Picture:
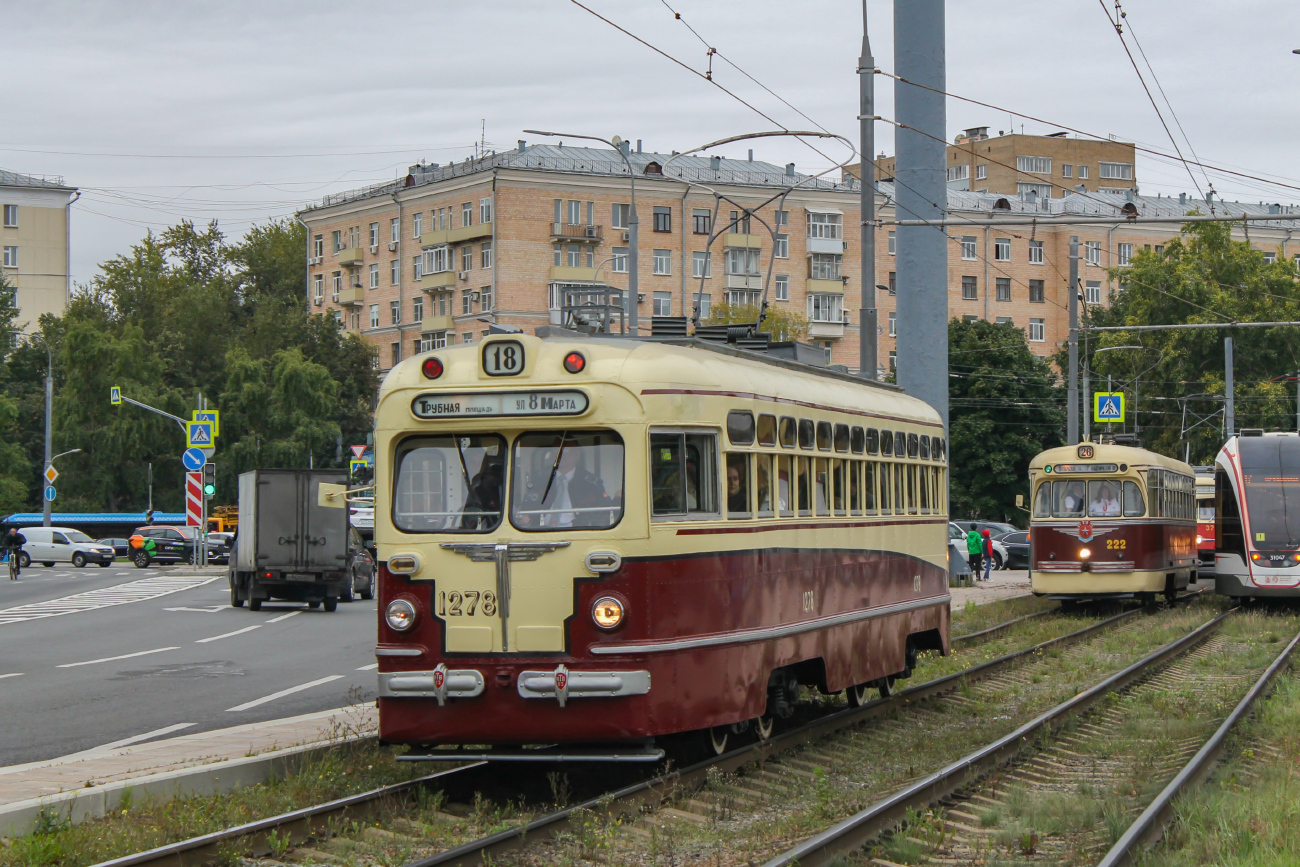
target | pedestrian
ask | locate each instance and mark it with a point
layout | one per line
(974, 550)
(987, 546)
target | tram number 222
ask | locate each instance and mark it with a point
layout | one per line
(455, 604)
(1117, 544)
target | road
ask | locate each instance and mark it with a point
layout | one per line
(97, 656)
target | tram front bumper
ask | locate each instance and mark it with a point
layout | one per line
(559, 684)
(1096, 583)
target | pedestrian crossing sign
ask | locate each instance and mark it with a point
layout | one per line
(199, 434)
(209, 415)
(1108, 406)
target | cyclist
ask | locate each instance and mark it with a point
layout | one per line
(13, 543)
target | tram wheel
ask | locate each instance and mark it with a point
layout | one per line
(858, 695)
(763, 727)
(886, 686)
(718, 736)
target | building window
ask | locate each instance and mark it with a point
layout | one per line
(466, 301)
(394, 271)
(11, 218)
(1092, 292)
(1036, 291)
(663, 261)
(417, 268)
(969, 289)
(742, 261)
(1269, 258)
(374, 276)
(337, 238)
(1037, 331)
(702, 304)
(374, 234)
(574, 255)
(781, 247)
(663, 304)
(318, 288)
(981, 172)
(1035, 252)
(825, 307)
(968, 248)
(467, 337)
(396, 353)
(893, 324)
(1083, 172)
(466, 214)
(893, 283)
(826, 226)
(317, 243)
(970, 317)
(336, 284)
(701, 220)
(958, 173)
(485, 210)
(417, 308)
(824, 266)
(1034, 165)
(1042, 191)
(437, 260)
(1003, 286)
(619, 263)
(374, 315)
(663, 218)
(354, 320)
(893, 359)
(1003, 320)
(394, 230)
(395, 312)
(1125, 254)
(893, 243)
(1115, 171)
(1160, 249)
(485, 255)
(1067, 171)
(1002, 249)
(622, 216)
(467, 257)
(701, 265)
(485, 300)
(782, 218)
(782, 287)
(1092, 252)
(417, 225)
(11, 257)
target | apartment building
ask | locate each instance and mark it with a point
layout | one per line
(435, 258)
(1045, 166)
(34, 235)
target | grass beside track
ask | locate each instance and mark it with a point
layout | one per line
(969, 617)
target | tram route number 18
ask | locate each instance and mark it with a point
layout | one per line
(503, 358)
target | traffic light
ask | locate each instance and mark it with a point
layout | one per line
(209, 480)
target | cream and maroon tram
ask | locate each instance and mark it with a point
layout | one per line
(1257, 476)
(596, 542)
(1111, 521)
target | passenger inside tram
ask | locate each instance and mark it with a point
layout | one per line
(737, 484)
(1104, 503)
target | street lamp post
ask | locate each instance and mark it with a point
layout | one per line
(633, 299)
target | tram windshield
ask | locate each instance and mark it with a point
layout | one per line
(1270, 468)
(449, 484)
(567, 480)
(1094, 498)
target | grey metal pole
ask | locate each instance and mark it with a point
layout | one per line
(1297, 400)
(1087, 402)
(632, 299)
(49, 432)
(1109, 388)
(868, 338)
(1072, 417)
(922, 251)
(1231, 410)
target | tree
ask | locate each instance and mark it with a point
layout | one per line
(15, 469)
(782, 322)
(1005, 407)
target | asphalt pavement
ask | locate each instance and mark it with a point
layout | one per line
(98, 656)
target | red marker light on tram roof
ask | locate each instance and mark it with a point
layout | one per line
(574, 362)
(432, 368)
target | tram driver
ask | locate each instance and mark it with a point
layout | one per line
(1072, 502)
(571, 497)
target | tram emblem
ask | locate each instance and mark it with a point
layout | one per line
(439, 678)
(561, 680)
(1085, 532)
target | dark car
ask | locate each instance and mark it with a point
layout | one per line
(361, 569)
(161, 545)
(996, 529)
(1017, 545)
(220, 546)
(121, 547)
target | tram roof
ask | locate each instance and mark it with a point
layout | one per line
(1109, 453)
(693, 365)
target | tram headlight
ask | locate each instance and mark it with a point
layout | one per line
(1199, 539)
(400, 615)
(607, 612)
(1254, 556)
(1084, 553)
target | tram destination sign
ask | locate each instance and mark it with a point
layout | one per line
(1083, 468)
(499, 403)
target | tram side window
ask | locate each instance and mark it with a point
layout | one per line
(824, 436)
(839, 482)
(886, 486)
(683, 473)
(841, 438)
(788, 434)
(763, 486)
(858, 440)
(1103, 499)
(925, 447)
(913, 445)
(740, 427)
(911, 489)
(1227, 526)
(767, 430)
(567, 480)
(1133, 505)
(449, 484)
(869, 488)
(886, 443)
(804, 485)
(873, 441)
(925, 490)
(823, 483)
(855, 487)
(900, 504)
(807, 434)
(900, 444)
(738, 502)
(784, 473)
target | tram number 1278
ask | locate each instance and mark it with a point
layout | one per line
(456, 604)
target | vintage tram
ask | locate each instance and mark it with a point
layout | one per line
(1205, 531)
(590, 543)
(1257, 476)
(1111, 521)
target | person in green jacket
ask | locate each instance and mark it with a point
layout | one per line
(974, 550)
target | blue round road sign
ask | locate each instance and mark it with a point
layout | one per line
(49, 492)
(193, 459)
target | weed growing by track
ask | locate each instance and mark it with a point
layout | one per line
(970, 617)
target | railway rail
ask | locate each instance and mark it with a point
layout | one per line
(300, 826)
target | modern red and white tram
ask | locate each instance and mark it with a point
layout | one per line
(595, 542)
(1257, 497)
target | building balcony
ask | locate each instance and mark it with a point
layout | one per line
(437, 323)
(436, 282)
(825, 330)
(735, 239)
(455, 236)
(824, 245)
(821, 285)
(352, 295)
(567, 274)
(577, 232)
(744, 281)
(351, 255)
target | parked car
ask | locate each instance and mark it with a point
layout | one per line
(361, 569)
(996, 529)
(121, 547)
(219, 547)
(958, 530)
(1017, 545)
(361, 513)
(50, 545)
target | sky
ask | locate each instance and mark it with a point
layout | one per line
(244, 111)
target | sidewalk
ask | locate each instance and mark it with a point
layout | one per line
(1001, 585)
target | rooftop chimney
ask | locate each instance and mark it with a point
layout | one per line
(1182, 198)
(789, 170)
(522, 144)
(626, 148)
(638, 145)
(715, 163)
(751, 155)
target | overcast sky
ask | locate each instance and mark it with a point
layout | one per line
(244, 111)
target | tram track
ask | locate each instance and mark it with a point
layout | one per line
(299, 828)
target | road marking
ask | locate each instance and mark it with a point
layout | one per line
(125, 742)
(212, 610)
(119, 594)
(228, 634)
(15, 674)
(371, 667)
(115, 658)
(284, 617)
(282, 693)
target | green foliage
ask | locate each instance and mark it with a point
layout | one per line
(1005, 406)
(14, 467)
(782, 322)
(186, 312)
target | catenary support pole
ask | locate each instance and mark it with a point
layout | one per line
(49, 434)
(1231, 411)
(868, 352)
(921, 181)
(1072, 416)
(1297, 400)
(1087, 400)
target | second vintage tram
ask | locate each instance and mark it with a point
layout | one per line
(594, 543)
(1111, 521)
(1257, 498)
